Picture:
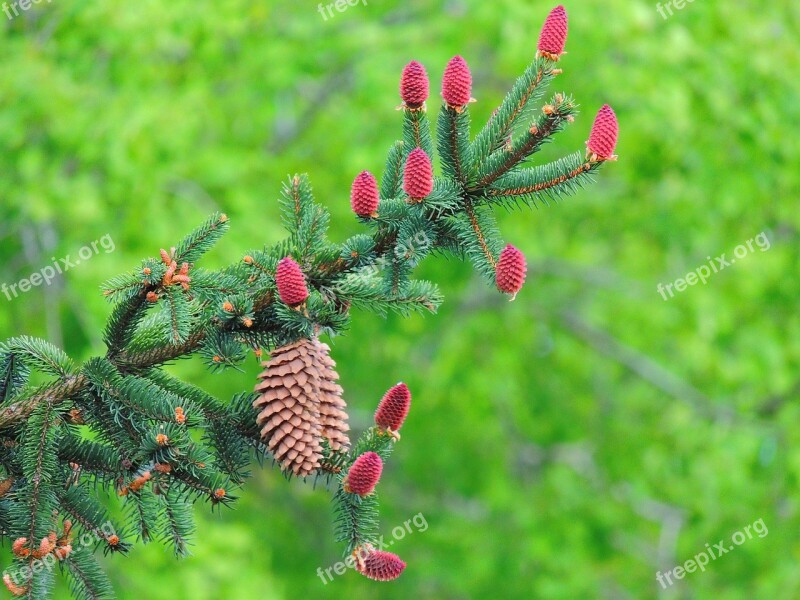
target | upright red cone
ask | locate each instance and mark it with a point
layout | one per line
(380, 565)
(604, 135)
(393, 409)
(553, 37)
(364, 474)
(511, 270)
(291, 282)
(414, 85)
(457, 83)
(364, 195)
(418, 176)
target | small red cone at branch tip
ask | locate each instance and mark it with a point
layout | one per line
(393, 409)
(291, 282)
(553, 36)
(457, 84)
(364, 474)
(379, 565)
(364, 195)
(511, 270)
(605, 133)
(418, 176)
(414, 85)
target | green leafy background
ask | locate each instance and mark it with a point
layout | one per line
(568, 445)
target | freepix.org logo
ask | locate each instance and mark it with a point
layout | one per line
(48, 273)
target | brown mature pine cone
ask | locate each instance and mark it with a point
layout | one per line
(300, 404)
(332, 407)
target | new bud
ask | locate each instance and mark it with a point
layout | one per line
(457, 83)
(604, 135)
(414, 85)
(418, 176)
(553, 37)
(393, 409)
(380, 565)
(511, 270)
(291, 282)
(363, 476)
(364, 195)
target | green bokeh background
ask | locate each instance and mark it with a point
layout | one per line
(568, 445)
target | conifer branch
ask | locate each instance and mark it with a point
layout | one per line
(160, 444)
(526, 90)
(559, 178)
(541, 131)
(479, 236)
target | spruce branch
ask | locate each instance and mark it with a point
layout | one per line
(119, 426)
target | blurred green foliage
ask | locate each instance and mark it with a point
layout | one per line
(568, 445)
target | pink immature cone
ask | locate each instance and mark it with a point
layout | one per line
(393, 409)
(418, 175)
(511, 269)
(414, 85)
(604, 135)
(457, 83)
(380, 565)
(291, 282)
(364, 474)
(553, 37)
(364, 195)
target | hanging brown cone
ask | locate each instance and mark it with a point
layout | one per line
(332, 407)
(299, 404)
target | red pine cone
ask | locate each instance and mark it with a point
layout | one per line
(418, 175)
(553, 37)
(457, 82)
(364, 194)
(291, 282)
(605, 131)
(511, 270)
(414, 85)
(393, 409)
(363, 476)
(381, 566)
